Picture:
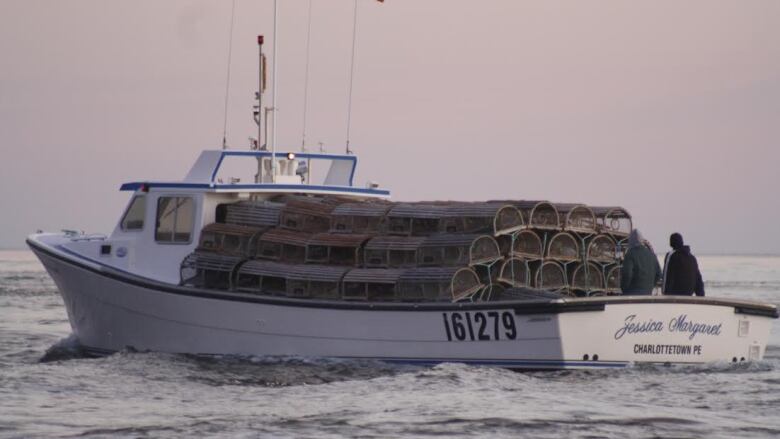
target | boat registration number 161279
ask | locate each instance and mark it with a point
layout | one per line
(479, 326)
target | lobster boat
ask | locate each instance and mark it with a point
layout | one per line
(289, 266)
(266, 252)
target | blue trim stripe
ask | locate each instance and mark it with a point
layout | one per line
(302, 155)
(352, 173)
(134, 186)
(216, 168)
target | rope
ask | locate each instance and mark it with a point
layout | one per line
(351, 72)
(306, 82)
(227, 80)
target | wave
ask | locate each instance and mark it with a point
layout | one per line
(285, 371)
(26, 283)
(29, 291)
(763, 285)
(18, 277)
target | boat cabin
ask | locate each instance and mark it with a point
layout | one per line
(163, 221)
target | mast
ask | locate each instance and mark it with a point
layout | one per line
(259, 114)
(259, 95)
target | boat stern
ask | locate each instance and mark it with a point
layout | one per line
(660, 329)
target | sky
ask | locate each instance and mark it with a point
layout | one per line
(670, 109)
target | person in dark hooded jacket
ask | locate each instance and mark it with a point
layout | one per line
(640, 271)
(681, 270)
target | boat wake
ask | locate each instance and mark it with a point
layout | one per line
(68, 348)
(277, 371)
(236, 370)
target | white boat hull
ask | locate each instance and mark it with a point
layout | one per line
(110, 310)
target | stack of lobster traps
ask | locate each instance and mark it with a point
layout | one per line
(331, 248)
(573, 249)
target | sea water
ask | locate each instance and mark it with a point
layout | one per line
(48, 388)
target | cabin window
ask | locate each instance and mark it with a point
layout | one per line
(134, 216)
(175, 218)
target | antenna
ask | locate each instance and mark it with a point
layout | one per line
(351, 72)
(227, 80)
(273, 98)
(306, 82)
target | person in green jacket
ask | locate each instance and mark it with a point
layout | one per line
(640, 271)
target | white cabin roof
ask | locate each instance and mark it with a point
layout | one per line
(292, 174)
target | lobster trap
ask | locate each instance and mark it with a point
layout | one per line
(525, 244)
(262, 277)
(427, 284)
(250, 213)
(315, 281)
(361, 218)
(542, 215)
(291, 280)
(563, 247)
(465, 285)
(515, 272)
(392, 251)
(508, 220)
(551, 276)
(587, 278)
(336, 248)
(209, 270)
(458, 250)
(229, 239)
(602, 249)
(612, 278)
(613, 220)
(477, 218)
(307, 214)
(577, 218)
(371, 284)
(415, 219)
(283, 245)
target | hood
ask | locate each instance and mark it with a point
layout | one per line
(635, 239)
(684, 249)
(675, 240)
